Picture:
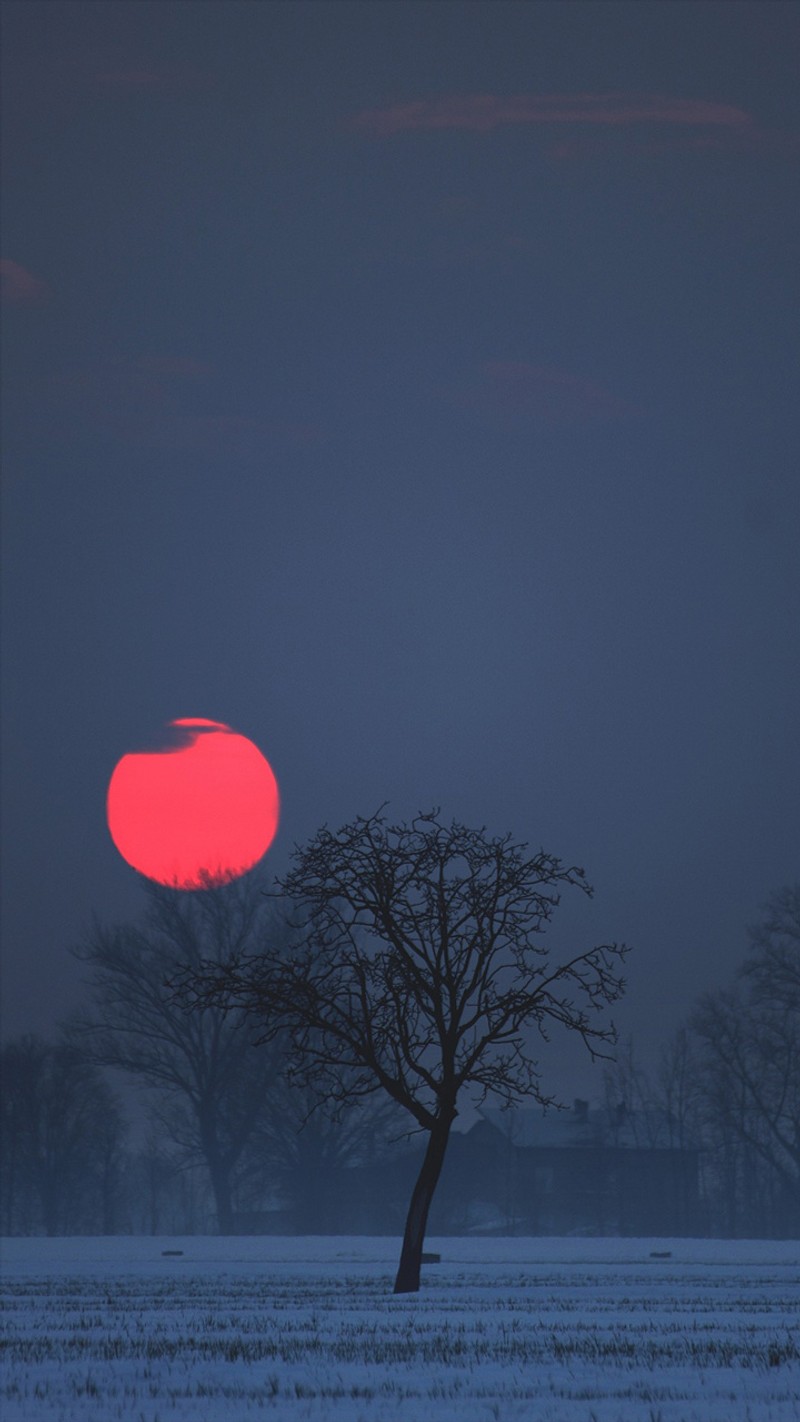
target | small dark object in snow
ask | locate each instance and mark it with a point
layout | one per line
(660, 1253)
(172, 1251)
(431, 1258)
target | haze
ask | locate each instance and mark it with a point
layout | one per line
(413, 388)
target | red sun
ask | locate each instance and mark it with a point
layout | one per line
(201, 809)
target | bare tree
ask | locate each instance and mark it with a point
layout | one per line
(749, 1039)
(213, 1084)
(22, 1067)
(631, 1105)
(61, 1137)
(305, 1149)
(772, 967)
(654, 1109)
(680, 1090)
(752, 1090)
(418, 971)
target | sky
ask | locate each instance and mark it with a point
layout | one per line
(414, 388)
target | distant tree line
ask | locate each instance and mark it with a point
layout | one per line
(62, 1139)
(225, 1134)
(261, 1090)
(728, 1084)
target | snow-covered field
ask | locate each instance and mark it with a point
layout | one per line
(515, 1330)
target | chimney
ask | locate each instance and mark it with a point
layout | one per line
(581, 1109)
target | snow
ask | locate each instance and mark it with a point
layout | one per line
(308, 1330)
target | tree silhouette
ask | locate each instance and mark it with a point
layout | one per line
(418, 968)
(749, 1042)
(212, 1084)
(61, 1141)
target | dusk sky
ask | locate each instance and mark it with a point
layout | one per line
(414, 388)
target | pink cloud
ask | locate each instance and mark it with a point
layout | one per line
(100, 71)
(147, 386)
(165, 79)
(519, 389)
(482, 112)
(155, 402)
(177, 367)
(18, 286)
(743, 140)
(221, 435)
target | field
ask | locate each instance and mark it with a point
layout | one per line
(307, 1330)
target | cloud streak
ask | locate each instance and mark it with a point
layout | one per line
(18, 286)
(512, 390)
(162, 402)
(165, 79)
(483, 112)
(103, 73)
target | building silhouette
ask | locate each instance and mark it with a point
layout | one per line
(584, 1171)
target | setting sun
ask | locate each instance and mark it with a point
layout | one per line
(204, 808)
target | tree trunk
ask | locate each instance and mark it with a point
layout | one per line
(219, 1173)
(407, 1281)
(221, 1189)
(223, 1201)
